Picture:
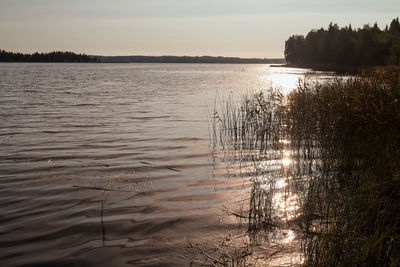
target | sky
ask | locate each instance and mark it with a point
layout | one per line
(240, 28)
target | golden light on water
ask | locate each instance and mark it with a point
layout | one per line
(289, 237)
(286, 161)
(285, 205)
(284, 141)
(281, 183)
(284, 78)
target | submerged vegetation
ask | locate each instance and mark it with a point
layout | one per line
(338, 147)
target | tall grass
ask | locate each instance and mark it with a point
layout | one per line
(344, 140)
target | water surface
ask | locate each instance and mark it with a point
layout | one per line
(139, 131)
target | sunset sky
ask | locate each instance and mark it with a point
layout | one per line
(243, 28)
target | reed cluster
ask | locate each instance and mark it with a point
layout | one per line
(343, 138)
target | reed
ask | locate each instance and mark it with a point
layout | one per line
(343, 138)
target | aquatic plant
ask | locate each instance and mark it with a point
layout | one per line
(342, 137)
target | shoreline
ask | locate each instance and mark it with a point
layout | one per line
(338, 69)
(197, 63)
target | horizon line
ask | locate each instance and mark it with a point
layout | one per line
(133, 55)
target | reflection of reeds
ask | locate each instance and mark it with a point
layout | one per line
(103, 228)
(260, 209)
(343, 140)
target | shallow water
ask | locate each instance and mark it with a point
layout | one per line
(139, 131)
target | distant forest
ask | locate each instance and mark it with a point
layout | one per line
(186, 59)
(73, 57)
(367, 46)
(45, 57)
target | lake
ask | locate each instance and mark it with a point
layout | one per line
(112, 164)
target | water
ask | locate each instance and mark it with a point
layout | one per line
(139, 131)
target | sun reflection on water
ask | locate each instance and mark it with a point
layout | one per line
(285, 205)
(286, 161)
(289, 237)
(281, 183)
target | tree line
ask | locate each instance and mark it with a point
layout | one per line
(188, 59)
(56, 56)
(367, 46)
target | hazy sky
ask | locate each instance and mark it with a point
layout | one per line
(245, 28)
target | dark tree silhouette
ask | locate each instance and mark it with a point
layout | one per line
(367, 46)
(45, 57)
